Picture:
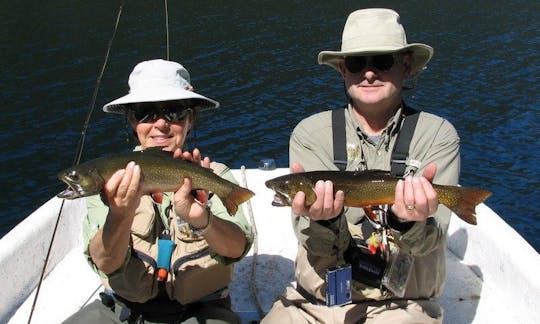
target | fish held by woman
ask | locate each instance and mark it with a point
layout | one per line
(371, 188)
(160, 173)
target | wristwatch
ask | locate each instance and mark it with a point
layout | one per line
(202, 230)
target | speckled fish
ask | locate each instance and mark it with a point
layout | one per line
(371, 188)
(160, 173)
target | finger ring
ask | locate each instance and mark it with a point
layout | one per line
(410, 207)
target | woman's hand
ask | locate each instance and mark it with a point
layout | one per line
(122, 191)
(191, 210)
(223, 237)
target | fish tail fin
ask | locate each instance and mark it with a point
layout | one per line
(236, 197)
(467, 200)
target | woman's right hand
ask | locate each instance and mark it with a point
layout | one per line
(123, 190)
(123, 195)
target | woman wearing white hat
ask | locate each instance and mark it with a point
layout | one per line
(124, 228)
(390, 266)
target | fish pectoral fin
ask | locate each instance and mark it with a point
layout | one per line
(157, 197)
(370, 214)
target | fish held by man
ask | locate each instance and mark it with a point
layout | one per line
(160, 173)
(371, 188)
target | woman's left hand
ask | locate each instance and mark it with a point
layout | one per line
(191, 210)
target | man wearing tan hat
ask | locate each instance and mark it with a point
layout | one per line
(389, 266)
(164, 258)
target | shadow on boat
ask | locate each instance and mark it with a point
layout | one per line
(464, 282)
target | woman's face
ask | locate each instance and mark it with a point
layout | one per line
(167, 128)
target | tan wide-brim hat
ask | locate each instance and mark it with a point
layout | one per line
(159, 80)
(376, 31)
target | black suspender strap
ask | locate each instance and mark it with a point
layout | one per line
(403, 141)
(339, 138)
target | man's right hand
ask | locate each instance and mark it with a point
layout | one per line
(325, 207)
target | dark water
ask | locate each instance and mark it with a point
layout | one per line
(258, 58)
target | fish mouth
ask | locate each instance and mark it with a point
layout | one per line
(73, 191)
(281, 200)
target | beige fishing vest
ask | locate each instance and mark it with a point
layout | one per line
(193, 273)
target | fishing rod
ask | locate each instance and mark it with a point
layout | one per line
(167, 27)
(80, 145)
(78, 154)
(80, 148)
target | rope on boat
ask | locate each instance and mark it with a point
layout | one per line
(253, 280)
(77, 157)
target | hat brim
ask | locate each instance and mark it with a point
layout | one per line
(118, 106)
(421, 53)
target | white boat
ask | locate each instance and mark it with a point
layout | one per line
(491, 270)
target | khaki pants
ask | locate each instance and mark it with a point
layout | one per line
(208, 313)
(294, 308)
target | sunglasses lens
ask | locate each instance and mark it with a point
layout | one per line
(141, 114)
(356, 64)
(150, 112)
(383, 62)
(176, 116)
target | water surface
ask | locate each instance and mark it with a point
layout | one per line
(259, 60)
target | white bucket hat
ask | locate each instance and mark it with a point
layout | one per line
(159, 80)
(376, 31)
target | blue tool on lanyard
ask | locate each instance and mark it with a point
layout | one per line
(165, 249)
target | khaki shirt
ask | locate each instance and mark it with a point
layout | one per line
(195, 270)
(434, 140)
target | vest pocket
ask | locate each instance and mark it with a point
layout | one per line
(198, 275)
(137, 282)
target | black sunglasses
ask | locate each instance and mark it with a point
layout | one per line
(356, 64)
(147, 112)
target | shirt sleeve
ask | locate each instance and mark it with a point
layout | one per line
(239, 219)
(310, 143)
(95, 219)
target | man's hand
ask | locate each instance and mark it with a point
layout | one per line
(325, 207)
(415, 198)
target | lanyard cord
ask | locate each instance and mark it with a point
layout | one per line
(77, 158)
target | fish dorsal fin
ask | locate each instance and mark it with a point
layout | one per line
(374, 173)
(156, 150)
(159, 152)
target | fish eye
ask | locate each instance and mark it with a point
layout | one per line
(73, 175)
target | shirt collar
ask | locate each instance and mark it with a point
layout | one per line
(392, 125)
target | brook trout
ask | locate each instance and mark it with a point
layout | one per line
(372, 188)
(160, 173)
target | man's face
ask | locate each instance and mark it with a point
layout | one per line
(375, 80)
